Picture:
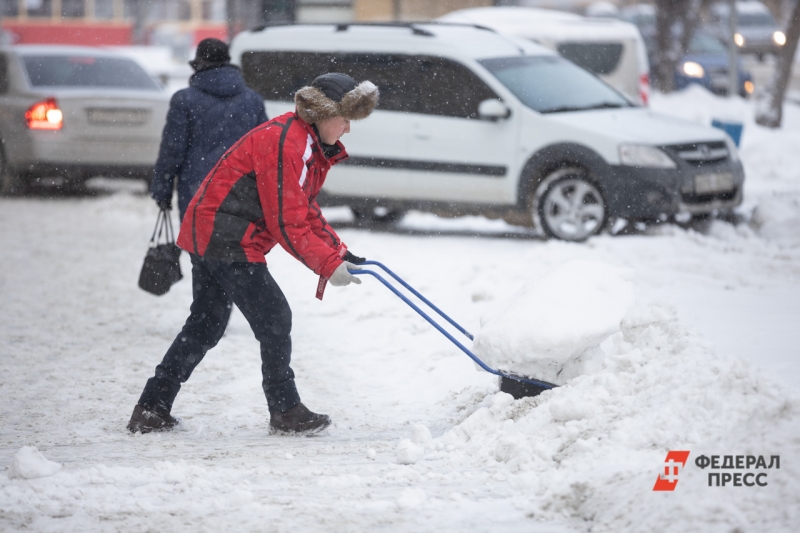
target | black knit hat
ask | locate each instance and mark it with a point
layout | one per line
(211, 53)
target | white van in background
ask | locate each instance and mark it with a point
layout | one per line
(612, 49)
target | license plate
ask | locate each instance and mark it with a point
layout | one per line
(121, 117)
(720, 81)
(710, 183)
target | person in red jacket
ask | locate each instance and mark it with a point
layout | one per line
(262, 193)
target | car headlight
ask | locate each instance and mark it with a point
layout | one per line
(779, 37)
(693, 70)
(733, 151)
(738, 38)
(640, 155)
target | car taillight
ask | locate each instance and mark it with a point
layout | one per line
(44, 115)
(644, 88)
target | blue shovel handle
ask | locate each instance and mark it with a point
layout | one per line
(435, 324)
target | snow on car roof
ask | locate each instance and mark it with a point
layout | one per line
(423, 38)
(751, 7)
(507, 14)
(543, 23)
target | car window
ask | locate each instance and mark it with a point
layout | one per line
(551, 84)
(3, 74)
(755, 19)
(705, 44)
(278, 75)
(86, 71)
(600, 58)
(447, 88)
(390, 72)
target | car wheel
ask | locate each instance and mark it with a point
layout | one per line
(378, 215)
(11, 183)
(572, 208)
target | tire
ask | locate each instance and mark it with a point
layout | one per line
(74, 186)
(11, 183)
(571, 207)
(377, 216)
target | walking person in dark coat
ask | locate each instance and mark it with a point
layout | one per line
(203, 121)
(262, 193)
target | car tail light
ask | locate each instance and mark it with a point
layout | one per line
(644, 88)
(44, 115)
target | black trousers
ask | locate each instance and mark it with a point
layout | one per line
(216, 286)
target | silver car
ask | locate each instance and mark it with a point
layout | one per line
(756, 30)
(74, 113)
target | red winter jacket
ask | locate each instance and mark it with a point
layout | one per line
(261, 192)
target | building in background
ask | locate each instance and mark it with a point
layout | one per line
(181, 24)
(112, 22)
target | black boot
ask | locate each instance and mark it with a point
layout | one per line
(145, 419)
(297, 420)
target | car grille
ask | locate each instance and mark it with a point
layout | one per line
(701, 153)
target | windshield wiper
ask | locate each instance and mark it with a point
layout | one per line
(607, 105)
(565, 109)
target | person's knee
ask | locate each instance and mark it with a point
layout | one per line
(281, 324)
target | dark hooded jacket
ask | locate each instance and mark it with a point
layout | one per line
(203, 121)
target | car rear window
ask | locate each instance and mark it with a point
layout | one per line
(600, 58)
(86, 71)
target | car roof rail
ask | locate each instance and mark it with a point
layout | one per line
(413, 26)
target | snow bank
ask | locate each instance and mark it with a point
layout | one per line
(777, 217)
(29, 463)
(550, 329)
(592, 449)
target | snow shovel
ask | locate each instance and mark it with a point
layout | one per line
(517, 386)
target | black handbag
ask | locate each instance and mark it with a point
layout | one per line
(161, 268)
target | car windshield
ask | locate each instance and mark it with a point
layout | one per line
(705, 44)
(550, 84)
(755, 19)
(86, 71)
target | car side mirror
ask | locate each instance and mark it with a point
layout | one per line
(493, 109)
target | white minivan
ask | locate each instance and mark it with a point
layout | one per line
(474, 122)
(612, 49)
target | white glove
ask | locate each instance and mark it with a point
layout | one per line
(342, 277)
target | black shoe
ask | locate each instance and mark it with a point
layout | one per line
(297, 420)
(145, 420)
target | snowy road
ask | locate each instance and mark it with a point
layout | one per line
(78, 339)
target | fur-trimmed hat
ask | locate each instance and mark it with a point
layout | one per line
(336, 95)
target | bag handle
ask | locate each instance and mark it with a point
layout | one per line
(163, 227)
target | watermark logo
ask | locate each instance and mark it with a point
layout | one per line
(668, 478)
(745, 470)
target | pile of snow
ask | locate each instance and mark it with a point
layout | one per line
(411, 451)
(552, 328)
(592, 449)
(29, 463)
(777, 218)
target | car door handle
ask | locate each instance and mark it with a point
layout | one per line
(422, 136)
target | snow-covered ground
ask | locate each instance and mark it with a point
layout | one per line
(706, 359)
